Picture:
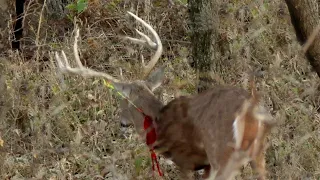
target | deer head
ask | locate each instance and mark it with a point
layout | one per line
(139, 92)
(141, 95)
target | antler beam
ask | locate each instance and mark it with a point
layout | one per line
(65, 67)
(146, 41)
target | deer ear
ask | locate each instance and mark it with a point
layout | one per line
(123, 88)
(155, 79)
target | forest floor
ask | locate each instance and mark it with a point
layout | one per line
(66, 127)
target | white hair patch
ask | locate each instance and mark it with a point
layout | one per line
(238, 131)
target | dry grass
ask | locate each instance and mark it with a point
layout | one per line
(65, 127)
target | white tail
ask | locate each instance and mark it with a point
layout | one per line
(218, 130)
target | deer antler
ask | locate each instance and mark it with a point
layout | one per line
(65, 67)
(146, 41)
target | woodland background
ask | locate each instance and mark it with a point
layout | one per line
(66, 127)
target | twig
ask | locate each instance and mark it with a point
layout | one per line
(311, 39)
(38, 34)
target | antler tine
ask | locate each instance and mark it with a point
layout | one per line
(75, 48)
(60, 65)
(144, 41)
(80, 70)
(147, 41)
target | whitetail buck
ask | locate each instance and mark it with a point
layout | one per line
(218, 130)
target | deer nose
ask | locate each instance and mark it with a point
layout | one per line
(123, 124)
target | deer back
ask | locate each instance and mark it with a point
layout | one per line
(197, 131)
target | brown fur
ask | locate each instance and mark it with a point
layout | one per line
(196, 132)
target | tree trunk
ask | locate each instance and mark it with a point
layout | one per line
(18, 25)
(3, 13)
(305, 18)
(204, 32)
(54, 10)
(4, 16)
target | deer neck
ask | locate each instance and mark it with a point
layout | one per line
(150, 106)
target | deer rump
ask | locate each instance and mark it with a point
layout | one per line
(197, 132)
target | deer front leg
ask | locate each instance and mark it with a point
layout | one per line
(207, 172)
(186, 174)
(259, 165)
(194, 175)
